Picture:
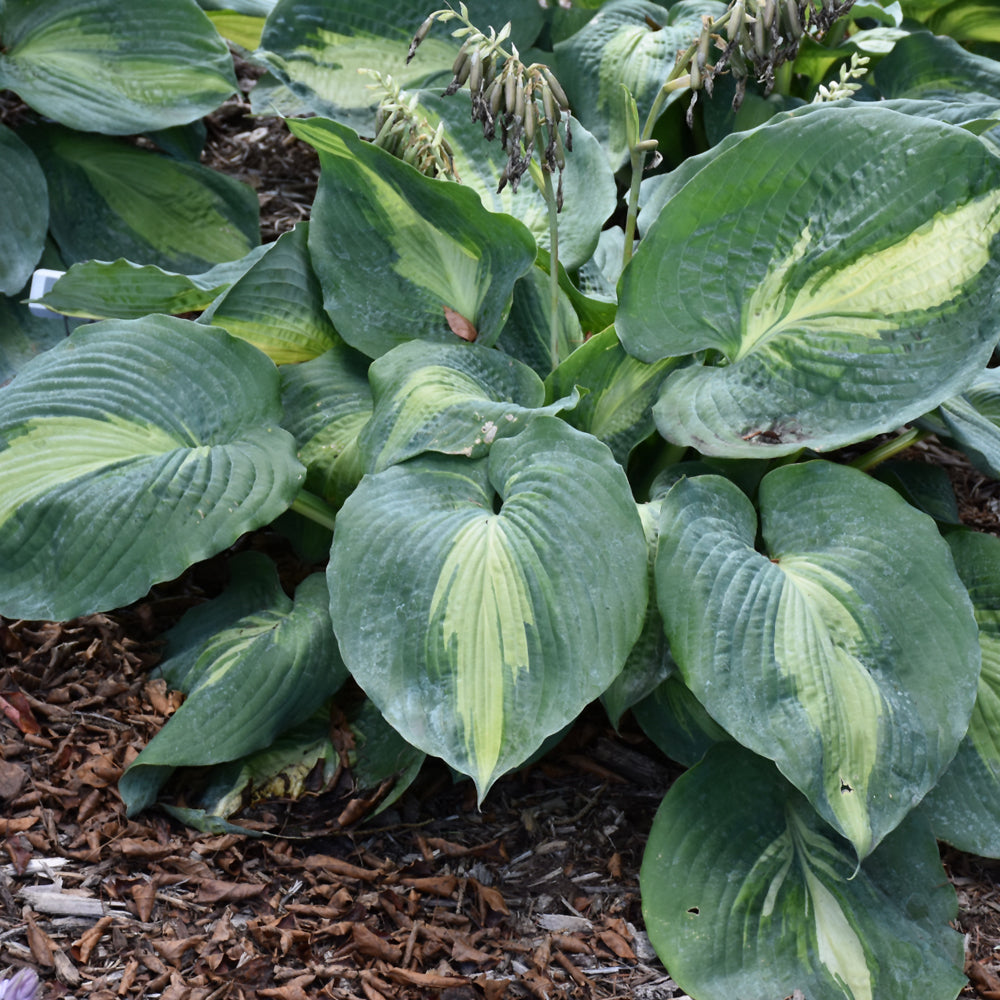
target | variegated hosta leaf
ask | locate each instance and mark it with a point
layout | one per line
(394, 250)
(278, 304)
(589, 190)
(261, 672)
(649, 662)
(327, 401)
(630, 42)
(747, 893)
(128, 452)
(24, 212)
(808, 255)
(972, 421)
(617, 406)
(481, 604)
(846, 651)
(454, 400)
(319, 48)
(110, 199)
(527, 334)
(964, 805)
(121, 289)
(104, 66)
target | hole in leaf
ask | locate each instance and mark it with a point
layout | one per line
(694, 911)
(845, 787)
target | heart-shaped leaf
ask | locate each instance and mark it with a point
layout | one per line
(746, 893)
(101, 66)
(456, 400)
(483, 632)
(964, 804)
(808, 256)
(427, 246)
(118, 467)
(846, 650)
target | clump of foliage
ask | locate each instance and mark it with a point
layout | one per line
(540, 461)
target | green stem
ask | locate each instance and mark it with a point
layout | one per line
(888, 449)
(678, 79)
(315, 508)
(550, 201)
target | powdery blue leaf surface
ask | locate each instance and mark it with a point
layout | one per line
(747, 893)
(129, 451)
(845, 650)
(496, 597)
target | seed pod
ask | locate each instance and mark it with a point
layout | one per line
(792, 18)
(736, 16)
(695, 77)
(549, 103)
(530, 118)
(419, 37)
(494, 95)
(513, 76)
(768, 11)
(759, 47)
(557, 92)
(476, 71)
(518, 109)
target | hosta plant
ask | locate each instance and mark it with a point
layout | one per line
(635, 450)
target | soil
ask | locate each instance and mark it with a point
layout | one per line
(534, 895)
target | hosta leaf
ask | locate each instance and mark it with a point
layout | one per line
(964, 804)
(649, 662)
(972, 421)
(278, 304)
(826, 651)
(630, 42)
(453, 400)
(319, 48)
(928, 67)
(746, 893)
(815, 270)
(617, 406)
(101, 66)
(967, 21)
(527, 334)
(327, 402)
(428, 246)
(381, 755)
(120, 468)
(677, 722)
(121, 289)
(23, 336)
(250, 681)
(483, 632)
(24, 212)
(109, 199)
(588, 183)
(927, 487)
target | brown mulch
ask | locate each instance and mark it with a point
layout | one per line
(535, 895)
